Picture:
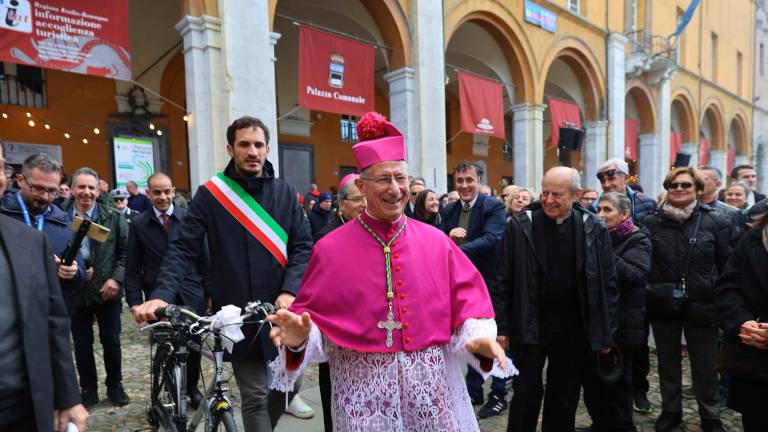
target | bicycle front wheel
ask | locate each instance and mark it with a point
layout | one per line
(225, 422)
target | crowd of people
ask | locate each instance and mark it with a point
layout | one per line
(548, 290)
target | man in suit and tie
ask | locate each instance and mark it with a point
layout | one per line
(148, 240)
(476, 224)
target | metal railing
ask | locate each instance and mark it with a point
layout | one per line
(641, 42)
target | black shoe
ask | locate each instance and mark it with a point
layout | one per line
(712, 426)
(669, 421)
(195, 399)
(89, 398)
(117, 395)
(642, 404)
(495, 406)
(477, 400)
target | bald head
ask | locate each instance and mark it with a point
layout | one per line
(560, 188)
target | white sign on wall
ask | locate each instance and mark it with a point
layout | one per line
(134, 160)
(17, 152)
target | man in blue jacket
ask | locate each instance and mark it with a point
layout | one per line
(244, 266)
(612, 175)
(476, 224)
(32, 204)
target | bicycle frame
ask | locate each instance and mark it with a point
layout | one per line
(215, 402)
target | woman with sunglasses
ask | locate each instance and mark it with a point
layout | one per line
(691, 245)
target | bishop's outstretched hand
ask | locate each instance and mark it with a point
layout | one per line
(289, 329)
(488, 348)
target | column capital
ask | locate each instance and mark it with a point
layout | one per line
(399, 74)
(528, 106)
(596, 124)
(200, 32)
(616, 39)
(274, 37)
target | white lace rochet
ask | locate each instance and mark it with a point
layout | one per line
(403, 391)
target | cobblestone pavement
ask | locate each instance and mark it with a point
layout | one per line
(132, 417)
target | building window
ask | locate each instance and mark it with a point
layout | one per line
(739, 72)
(714, 56)
(762, 59)
(574, 6)
(349, 128)
(22, 85)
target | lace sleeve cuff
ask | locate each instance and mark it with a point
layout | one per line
(288, 366)
(475, 329)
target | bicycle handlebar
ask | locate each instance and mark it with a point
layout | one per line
(175, 311)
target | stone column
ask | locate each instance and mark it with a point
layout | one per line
(649, 161)
(659, 160)
(206, 96)
(250, 66)
(429, 65)
(741, 160)
(403, 113)
(719, 159)
(528, 144)
(693, 150)
(595, 142)
(616, 94)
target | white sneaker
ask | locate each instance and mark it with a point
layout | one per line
(299, 408)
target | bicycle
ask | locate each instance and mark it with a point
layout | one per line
(167, 408)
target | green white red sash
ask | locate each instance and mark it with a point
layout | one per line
(250, 214)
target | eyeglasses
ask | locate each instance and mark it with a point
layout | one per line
(679, 185)
(354, 199)
(39, 190)
(118, 199)
(401, 180)
(607, 173)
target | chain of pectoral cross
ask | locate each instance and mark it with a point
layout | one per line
(390, 324)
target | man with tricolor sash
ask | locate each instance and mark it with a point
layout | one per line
(259, 248)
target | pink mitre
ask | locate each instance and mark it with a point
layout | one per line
(379, 141)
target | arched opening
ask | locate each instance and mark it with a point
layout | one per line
(738, 149)
(315, 147)
(683, 123)
(640, 120)
(711, 133)
(478, 46)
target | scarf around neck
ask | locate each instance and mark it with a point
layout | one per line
(623, 229)
(677, 214)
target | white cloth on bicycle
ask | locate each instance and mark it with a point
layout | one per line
(228, 322)
(422, 390)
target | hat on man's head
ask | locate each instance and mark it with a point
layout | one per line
(325, 196)
(348, 178)
(379, 141)
(119, 193)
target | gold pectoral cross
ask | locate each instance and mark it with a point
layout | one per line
(390, 325)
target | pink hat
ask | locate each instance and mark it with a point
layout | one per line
(348, 178)
(380, 141)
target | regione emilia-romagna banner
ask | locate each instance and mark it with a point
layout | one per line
(134, 160)
(81, 36)
(335, 73)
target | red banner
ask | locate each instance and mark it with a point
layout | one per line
(335, 73)
(87, 37)
(562, 114)
(675, 144)
(703, 151)
(482, 105)
(731, 158)
(631, 128)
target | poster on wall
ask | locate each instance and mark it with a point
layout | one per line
(17, 152)
(336, 74)
(87, 37)
(134, 160)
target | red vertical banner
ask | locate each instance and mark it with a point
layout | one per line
(482, 105)
(703, 151)
(336, 74)
(675, 144)
(560, 114)
(631, 128)
(731, 158)
(87, 37)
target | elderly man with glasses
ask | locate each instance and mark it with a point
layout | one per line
(612, 175)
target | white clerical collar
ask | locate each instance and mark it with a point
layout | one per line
(159, 214)
(562, 219)
(471, 203)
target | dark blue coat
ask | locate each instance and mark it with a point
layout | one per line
(147, 247)
(486, 227)
(242, 269)
(58, 233)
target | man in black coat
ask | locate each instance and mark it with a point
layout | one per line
(321, 213)
(476, 223)
(148, 240)
(32, 204)
(243, 268)
(137, 201)
(38, 373)
(555, 298)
